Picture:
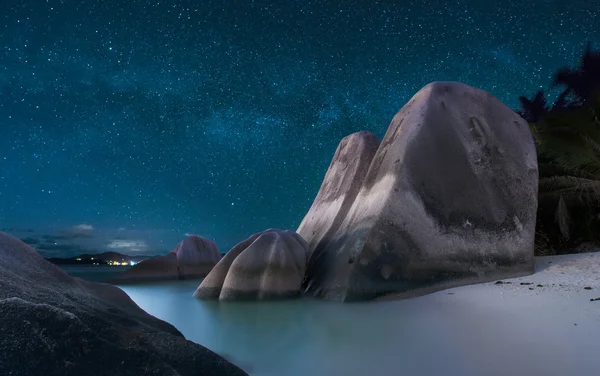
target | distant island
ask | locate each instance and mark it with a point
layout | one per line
(106, 258)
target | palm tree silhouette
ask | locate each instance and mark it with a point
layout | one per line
(583, 82)
(535, 108)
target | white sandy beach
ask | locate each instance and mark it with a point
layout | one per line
(477, 330)
(542, 324)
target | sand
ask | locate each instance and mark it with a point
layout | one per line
(547, 323)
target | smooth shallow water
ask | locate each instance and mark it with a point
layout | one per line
(473, 330)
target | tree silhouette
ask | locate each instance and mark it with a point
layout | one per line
(533, 109)
(582, 82)
(568, 144)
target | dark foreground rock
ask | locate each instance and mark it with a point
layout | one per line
(268, 265)
(53, 324)
(449, 198)
(194, 257)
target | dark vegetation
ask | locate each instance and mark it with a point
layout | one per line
(567, 135)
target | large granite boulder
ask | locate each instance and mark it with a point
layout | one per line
(53, 324)
(450, 198)
(338, 191)
(194, 257)
(268, 265)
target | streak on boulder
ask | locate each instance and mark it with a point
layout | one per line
(342, 182)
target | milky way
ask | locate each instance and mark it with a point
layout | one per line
(125, 125)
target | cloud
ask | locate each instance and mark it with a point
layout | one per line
(83, 227)
(128, 245)
(86, 239)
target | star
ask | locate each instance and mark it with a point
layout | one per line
(142, 117)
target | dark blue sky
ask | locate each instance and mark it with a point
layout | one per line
(125, 125)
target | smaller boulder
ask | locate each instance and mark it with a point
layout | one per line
(268, 265)
(194, 257)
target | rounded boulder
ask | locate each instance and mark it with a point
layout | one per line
(268, 265)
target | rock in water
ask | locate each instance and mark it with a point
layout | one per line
(268, 265)
(338, 191)
(155, 269)
(449, 199)
(194, 257)
(211, 286)
(53, 324)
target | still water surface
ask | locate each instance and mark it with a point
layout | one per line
(300, 337)
(469, 331)
(94, 273)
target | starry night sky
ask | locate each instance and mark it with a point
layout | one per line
(125, 125)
